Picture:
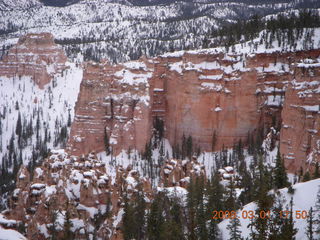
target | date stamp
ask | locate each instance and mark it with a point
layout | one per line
(250, 214)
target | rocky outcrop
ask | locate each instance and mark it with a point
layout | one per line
(300, 136)
(113, 106)
(179, 172)
(79, 187)
(87, 191)
(207, 95)
(34, 55)
(202, 94)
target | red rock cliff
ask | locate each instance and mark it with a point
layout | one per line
(113, 102)
(34, 55)
(300, 136)
(196, 94)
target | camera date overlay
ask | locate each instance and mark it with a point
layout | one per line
(250, 214)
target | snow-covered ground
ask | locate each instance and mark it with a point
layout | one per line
(304, 198)
(119, 31)
(22, 95)
(257, 46)
(134, 159)
(9, 234)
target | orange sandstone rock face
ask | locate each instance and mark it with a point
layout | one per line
(113, 102)
(206, 96)
(196, 94)
(300, 136)
(34, 55)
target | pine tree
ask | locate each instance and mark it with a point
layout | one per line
(288, 230)
(300, 174)
(310, 226)
(202, 231)
(184, 147)
(38, 125)
(316, 173)
(97, 221)
(281, 178)
(172, 229)
(53, 227)
(19, 126)
(234, 231)
(189, 147)
(260, 226)
(276, 220)
(140, 214)
(17, 106)
(106, 142)
(128, 226)
(214, 141)
(0, 125)
(306, 177)
(177, 220)
(214, 194)
(155, 218)
(69, 119)
(191, 205)
(246, 183)
(68, 234)
(159, 127)
(230, 202)
(317, 213)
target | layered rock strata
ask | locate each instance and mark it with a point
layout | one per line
(201, 94)
(300, 132)
(114, 106)
(34, 55)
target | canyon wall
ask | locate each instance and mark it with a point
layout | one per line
(210, 95)
(300, 132)
(201, 94)
(34, 55)
(113, 106)
(198, 93)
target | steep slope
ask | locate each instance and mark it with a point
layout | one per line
(113, 103)
(217, 98)
(38, 92)
(301, 124)
(89, 190)
(301, 203)
(119, 31)
(35, 55)
(201, 93)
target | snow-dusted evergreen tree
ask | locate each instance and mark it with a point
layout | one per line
(234, 229)
(288, 229)
(67, 232)
(155, 219)
(214, 195)
(317, 214)
(316, 173)
(276, 221)
(260, 227)
(310, 226)
(280, 175)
